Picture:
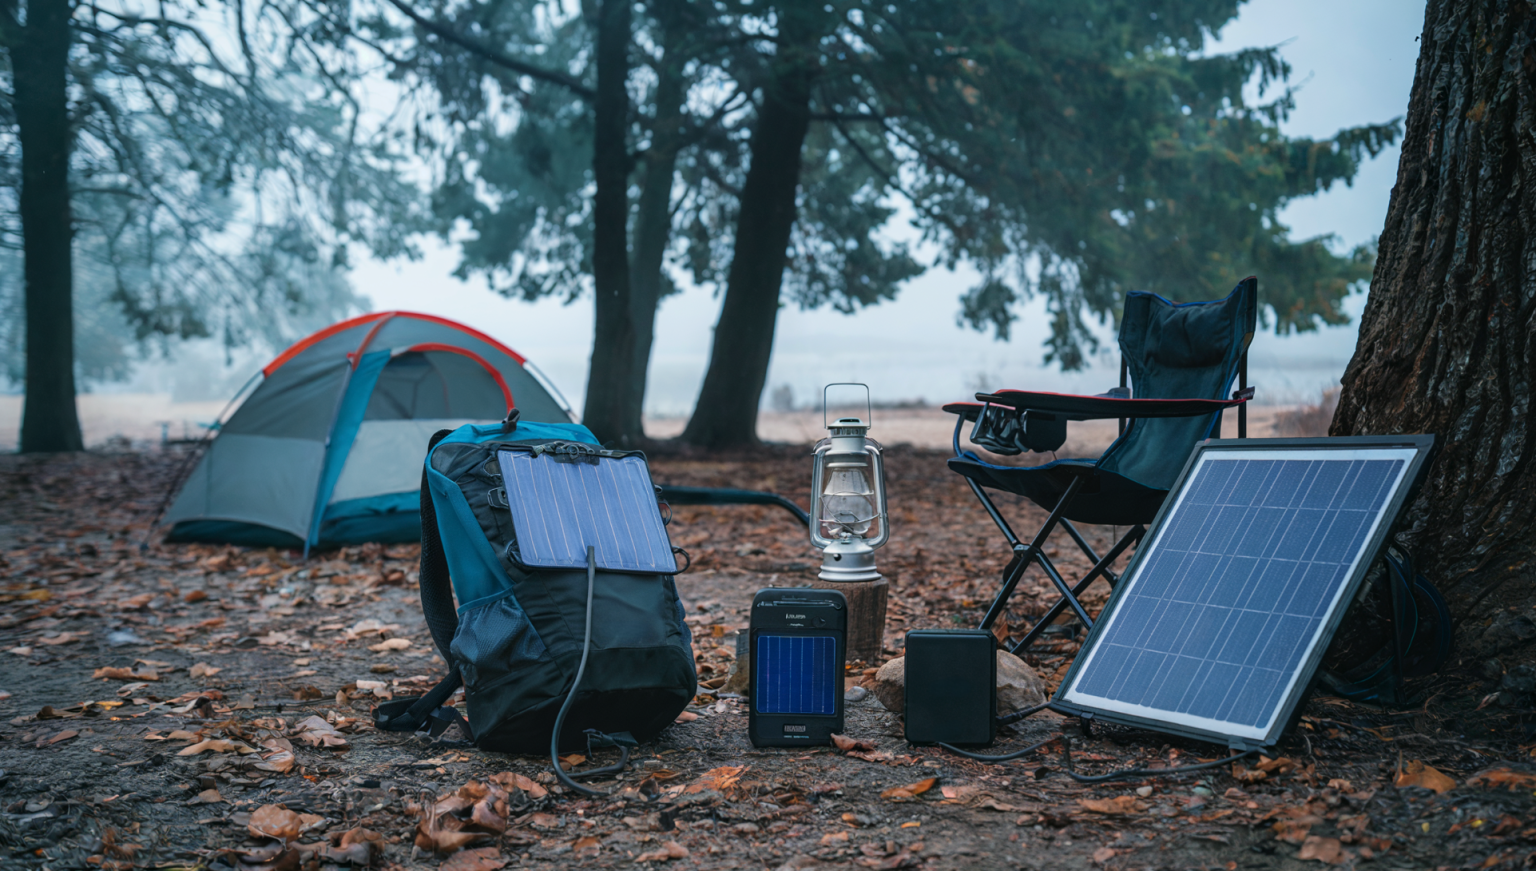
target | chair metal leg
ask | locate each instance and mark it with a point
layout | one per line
(997, 517)
(1132, 536)
(1088, 551)
(1022, 553)
(1066, 591)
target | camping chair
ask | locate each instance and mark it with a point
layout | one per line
(1181, 359)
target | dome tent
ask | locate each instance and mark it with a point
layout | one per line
(327, 449)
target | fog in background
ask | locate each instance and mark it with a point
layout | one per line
(1353, 63)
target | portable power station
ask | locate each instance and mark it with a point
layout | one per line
(798, 642)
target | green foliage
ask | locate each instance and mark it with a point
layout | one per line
(1086, 150)
(215, 192)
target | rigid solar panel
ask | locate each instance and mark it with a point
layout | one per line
(1220, 620)
(559, 508)
(796, 674)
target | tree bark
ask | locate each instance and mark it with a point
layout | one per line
(726, 412)
(1446, 341)
(653, 213)
(39, 64)
(612, 409)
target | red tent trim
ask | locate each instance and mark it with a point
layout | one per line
(506, 392)
(303, 344)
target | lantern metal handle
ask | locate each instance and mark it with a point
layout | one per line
(869, 414)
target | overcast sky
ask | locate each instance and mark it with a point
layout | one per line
(1354, 60)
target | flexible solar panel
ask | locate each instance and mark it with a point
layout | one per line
(1219, 622)
(796, 674)
(559, 508)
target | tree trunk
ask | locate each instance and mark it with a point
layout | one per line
(653, 214)
(1446, 341)
(726, 412)
(612, 409)
(39, 62)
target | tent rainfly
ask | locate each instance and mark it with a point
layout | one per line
(327, 449)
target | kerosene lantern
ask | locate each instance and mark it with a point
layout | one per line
(848, 518)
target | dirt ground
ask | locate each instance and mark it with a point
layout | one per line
(159, 706)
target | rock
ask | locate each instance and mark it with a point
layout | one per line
(1508, 630)
(1018, 686)
(1493, 669)
(124, 638)
(891, 684)
(855, 694)
(1520, 679)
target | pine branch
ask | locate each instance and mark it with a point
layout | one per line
(501, 59)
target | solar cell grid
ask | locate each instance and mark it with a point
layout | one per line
(558, 509)
(796, 674)
(1235, 586)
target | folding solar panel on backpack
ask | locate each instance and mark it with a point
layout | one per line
(1218, 625)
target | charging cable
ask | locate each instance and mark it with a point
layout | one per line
(1066, 755)
(554, 737)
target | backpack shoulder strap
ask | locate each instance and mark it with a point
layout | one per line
(412, 714)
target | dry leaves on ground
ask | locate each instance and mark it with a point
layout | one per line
(1505, 778)
(1416, 773)
(909, 791)
(1121, 805)
(719, 779)
(670, 850)
(316, 732)
(1322, 850)
(849, 745)
(476, 811)
(509, 781)
(276, 821)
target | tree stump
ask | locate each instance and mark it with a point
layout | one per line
(866, 617)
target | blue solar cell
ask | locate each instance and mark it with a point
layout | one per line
(796, 674)
(1233, 587)
(560, 508)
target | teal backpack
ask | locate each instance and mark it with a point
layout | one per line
(522, 639)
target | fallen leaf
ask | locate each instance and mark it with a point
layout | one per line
(909, 791)
(209, 796)
(513, 780)
(684, 717)
(280, 759)
(670, 850)
(1416, 773)
(847, 745)
(477, 859)
(1103, 854)
(719, 779)
(391, 644)
(318, 733)
(1322, 850)
(215, 745)
(544, 821)
(1119, 805)
(203, 669)
(276, 821)
(62, 736)
(1503, 777)
(1247, 775)
(587, 847)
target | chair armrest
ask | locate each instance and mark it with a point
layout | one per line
(1075, 407)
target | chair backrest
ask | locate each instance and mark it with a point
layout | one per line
(1178, 351)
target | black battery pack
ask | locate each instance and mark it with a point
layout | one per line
(798, 642)
(951, 687)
